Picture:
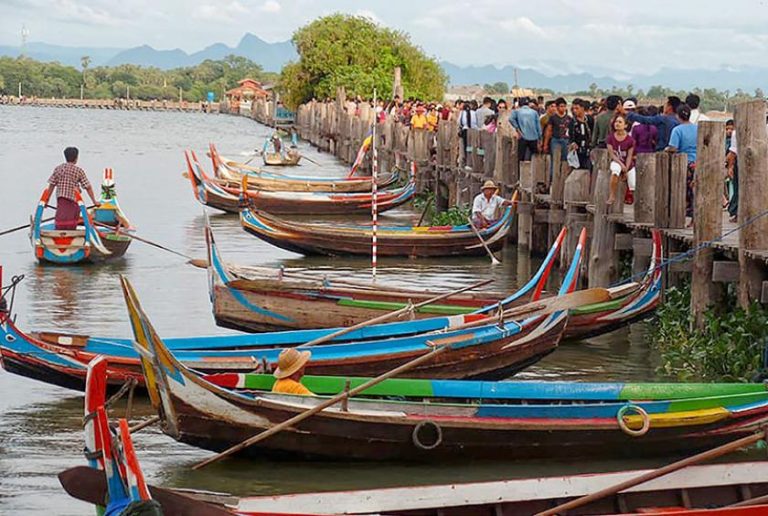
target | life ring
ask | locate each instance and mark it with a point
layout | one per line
(641, 412)
(417, 439)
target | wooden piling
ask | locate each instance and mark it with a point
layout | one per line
(752, 139)
(602, 261)
(710, 157)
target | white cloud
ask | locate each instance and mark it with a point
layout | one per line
(365, 13)
(271, 6)
(79, 12)
(227, 13)
(523, 24)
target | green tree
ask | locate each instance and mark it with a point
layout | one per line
(500, 88)
(354, 52)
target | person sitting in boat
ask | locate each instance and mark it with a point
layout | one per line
(485, 208)
(277, 144)
(67, 179)
(290, 370)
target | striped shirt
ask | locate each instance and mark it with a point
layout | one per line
(68, 178)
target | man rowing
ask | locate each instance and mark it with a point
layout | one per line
(68, 179)
(485, 208)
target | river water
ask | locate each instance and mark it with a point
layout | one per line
(41, 425)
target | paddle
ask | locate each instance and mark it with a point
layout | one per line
(494, 260)
(436, 350)
(646, 477)
(311, 160)
(391, 315)
(197, 262)
(25, 226)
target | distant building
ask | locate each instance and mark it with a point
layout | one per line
(247, 89)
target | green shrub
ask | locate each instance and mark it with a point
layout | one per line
(730, 347)
(453, 216)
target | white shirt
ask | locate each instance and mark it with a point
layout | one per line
(697, 116)
(487, 208)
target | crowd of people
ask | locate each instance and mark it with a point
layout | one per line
(622, 126)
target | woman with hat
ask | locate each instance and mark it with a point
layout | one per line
(290, 370)
(485, 208)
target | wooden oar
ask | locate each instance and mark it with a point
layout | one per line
(646, 477)
(325, 404)
(545, 306)
(25, 226)
(391, 315)
(494, 260)
(311, 160)
(197, 262)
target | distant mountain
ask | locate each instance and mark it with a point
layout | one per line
(64, 55)
(271, 56)
(745, 78)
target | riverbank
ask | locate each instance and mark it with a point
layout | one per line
(119, 104)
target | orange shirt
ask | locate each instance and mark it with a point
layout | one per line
(288, 386)
(432, 120)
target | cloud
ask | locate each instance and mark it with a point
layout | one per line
(523, 24)
(226, 13)
(365, 13)
(79, 12)
(271, 6)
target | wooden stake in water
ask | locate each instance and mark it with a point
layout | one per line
(374, 192)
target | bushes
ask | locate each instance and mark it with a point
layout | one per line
(731, 347)
(454, 216)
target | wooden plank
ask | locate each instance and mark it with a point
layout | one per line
(540, 215)
(705, 293)
(661, 192)
(677, 180)
(623, 242)
(764, 293)
(642, 246)
(725, 271)
(679, 266)
(753, 191)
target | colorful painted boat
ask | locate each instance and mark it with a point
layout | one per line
(433, 428)
(351, 239)
(485, 346)
(259, 299)
(263, 299)
(217, 194)
(682, 492)
(696, 490)
(258, 179)
(103, 233)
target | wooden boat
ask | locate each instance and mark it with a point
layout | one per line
(351, 239)
(708, 490)
(485, 346)
(696, 490)
(258, 179)
(102, 235)
(687, 490)
(279, 157)
(217, 194)
(253, 299)
(263, 299)
(447, 426)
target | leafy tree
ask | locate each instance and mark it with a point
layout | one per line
(354, 52)
(497, 87)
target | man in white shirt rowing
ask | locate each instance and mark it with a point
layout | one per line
(485, 208)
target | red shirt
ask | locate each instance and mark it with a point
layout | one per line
(68, 178)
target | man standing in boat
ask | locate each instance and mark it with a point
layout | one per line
(485, 208)
(67, 179)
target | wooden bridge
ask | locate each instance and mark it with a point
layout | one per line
(122, 104)
(577, 198)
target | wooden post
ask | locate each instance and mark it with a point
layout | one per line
(525, 205)
(678, 168)
(646, 187)
(602, 262)
(397, 86)
(752, 139)
(575, 199)
(710, 158)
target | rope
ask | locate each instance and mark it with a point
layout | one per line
(5, 306)
(684, 256)
(120, 393)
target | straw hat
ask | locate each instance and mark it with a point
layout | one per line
(489, 184)
(290, 361)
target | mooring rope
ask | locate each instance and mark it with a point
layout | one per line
(689, 253)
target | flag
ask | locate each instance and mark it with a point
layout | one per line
(362, 152)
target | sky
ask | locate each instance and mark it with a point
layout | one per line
(551, 35)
